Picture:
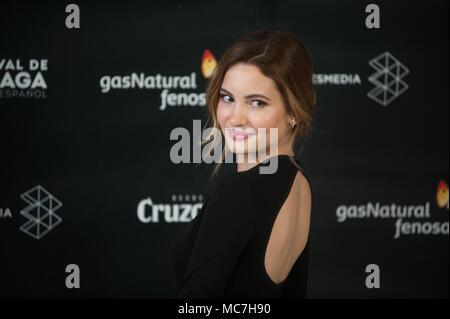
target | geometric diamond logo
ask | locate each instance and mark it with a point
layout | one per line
(40, 212)
(387, 79)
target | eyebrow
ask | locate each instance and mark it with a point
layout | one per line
(248, 96)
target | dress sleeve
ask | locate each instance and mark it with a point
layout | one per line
(226, 228)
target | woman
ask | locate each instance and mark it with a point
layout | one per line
(252, 231)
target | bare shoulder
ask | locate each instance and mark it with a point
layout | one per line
(304, 197)
(304, 186)
(304, 204)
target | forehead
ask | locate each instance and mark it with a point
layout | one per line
(246, 79)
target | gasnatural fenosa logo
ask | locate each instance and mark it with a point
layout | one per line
(411, 219)
(164, 83)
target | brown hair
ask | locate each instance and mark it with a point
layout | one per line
(280, 56)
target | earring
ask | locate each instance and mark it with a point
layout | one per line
(293, 123)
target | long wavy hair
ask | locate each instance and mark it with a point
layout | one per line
(280, 56)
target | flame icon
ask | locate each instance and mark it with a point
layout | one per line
(442, 195)
(209, 63)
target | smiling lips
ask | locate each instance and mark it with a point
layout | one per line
(238, 135)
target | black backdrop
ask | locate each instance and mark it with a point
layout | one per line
(105, 156)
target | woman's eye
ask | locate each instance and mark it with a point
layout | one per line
(226, 98)
(258, 103)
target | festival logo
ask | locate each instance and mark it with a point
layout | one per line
(23, 79)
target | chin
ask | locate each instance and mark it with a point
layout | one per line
(237, 149)
(242, 150)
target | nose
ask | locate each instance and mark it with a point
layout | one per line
(239, 116)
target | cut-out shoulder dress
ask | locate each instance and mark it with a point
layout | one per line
(220, 253)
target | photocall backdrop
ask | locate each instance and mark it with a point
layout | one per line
(87, 113)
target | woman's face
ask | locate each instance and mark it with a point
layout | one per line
(250, 101)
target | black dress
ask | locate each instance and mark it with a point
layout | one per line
(220, 253)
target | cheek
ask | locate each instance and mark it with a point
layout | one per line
(220, 114)
(266, 120)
